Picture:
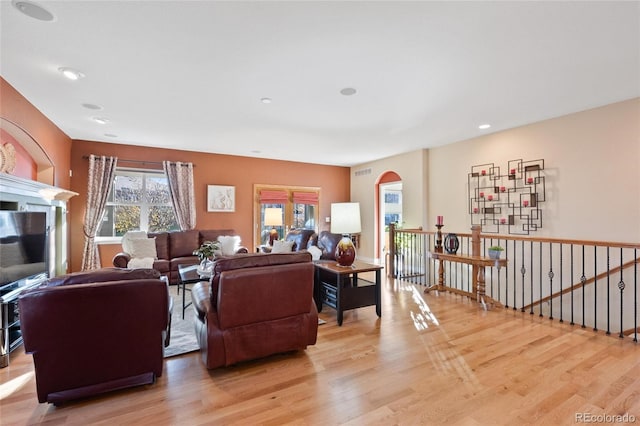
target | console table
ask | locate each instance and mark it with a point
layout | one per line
(479, 262)
(343, 294)
(476, 261)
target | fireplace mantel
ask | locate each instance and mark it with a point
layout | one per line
(18, 189)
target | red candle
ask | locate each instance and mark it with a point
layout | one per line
(525, 203)
(490, 197)
(439, 220)
(484, 172)
(481, 194)
(513, 171)
(475, 210)
(503, 221)
(502, 189)
(530, 180)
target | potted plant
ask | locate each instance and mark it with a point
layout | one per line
(207, 251)
(494, 252)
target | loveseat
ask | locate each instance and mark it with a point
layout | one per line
(255, 305)
(176, 248)
(94, 332)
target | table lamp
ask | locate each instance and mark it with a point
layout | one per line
(273, 217)
(345, 220)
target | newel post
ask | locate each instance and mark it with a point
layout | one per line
(391, 270)
(475, 251)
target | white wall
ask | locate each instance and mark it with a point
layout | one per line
(592, 169)
(592, 162)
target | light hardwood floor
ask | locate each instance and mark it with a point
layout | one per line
(430, 359)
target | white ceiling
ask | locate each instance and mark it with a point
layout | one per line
(190, 75)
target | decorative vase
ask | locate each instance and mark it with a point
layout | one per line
(206, 265)
(345, 251)
(451, 243)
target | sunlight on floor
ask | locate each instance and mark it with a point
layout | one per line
(6, 389)
(422, 319)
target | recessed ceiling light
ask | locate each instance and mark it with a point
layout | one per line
(100, 120)
(256, 151)
(92, 106)
(33, 10)
(265, 100)
(484, 126)
(348, 91)
(110, 135)
(70, 73)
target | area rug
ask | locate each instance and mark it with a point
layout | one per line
(183, 336)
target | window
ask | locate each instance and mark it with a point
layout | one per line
(138, 200)
(299, 209)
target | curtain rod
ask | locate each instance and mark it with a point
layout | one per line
(143, 162)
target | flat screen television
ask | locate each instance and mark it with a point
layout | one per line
(23, 246)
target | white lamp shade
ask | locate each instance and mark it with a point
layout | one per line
(345, 218)
(273, 216)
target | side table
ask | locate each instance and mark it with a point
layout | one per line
(342, 296)
(189, 274)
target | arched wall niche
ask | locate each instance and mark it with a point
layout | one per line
(45, 168)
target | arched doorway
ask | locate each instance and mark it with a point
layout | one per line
(388, 203)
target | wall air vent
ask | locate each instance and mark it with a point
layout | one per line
(363, 172)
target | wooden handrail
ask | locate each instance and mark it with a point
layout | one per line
(536, 239)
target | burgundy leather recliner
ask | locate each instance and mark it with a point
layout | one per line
(255, 305)
(94, 332)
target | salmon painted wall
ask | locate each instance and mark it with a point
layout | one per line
(54, 142)
(210, 169)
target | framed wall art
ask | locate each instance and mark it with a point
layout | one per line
(221, 198)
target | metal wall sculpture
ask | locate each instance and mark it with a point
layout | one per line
(507, 201)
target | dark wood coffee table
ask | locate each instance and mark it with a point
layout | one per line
(343, 294)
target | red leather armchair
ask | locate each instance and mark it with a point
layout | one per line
(95, 337)
(256, 305)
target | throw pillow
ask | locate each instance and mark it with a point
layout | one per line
(140, 263)
(315, 252)
(282, 246)
(131, 235)
(143, 247)
(229, 244)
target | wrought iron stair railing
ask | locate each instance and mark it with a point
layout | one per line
(593, 284)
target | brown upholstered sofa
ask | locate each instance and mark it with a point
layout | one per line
(176, 248)
(94, 332)
(255, 305)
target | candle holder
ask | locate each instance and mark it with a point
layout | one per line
(438, 247)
